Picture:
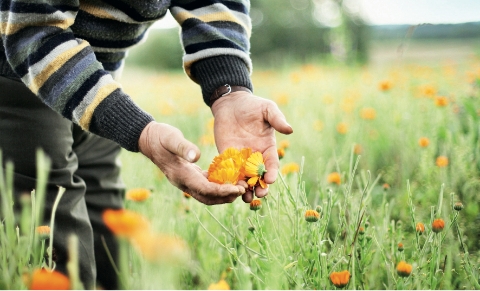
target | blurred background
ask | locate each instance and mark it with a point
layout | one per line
(353, 32)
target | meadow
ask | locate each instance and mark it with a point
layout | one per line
(378, 187)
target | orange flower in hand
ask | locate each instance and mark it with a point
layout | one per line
(255, 169)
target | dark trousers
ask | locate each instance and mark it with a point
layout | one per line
(83, 163)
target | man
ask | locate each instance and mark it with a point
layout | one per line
(66, 55)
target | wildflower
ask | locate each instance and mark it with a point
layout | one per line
(458, 206)
(220, 285)
(226, 172)
(124, 223)
(361, 230)
(312, 216)
(340, 279)
(46, 280)
(386, 187)
(342, 128)
(442, 161)
(138, 195)
(441, 101)
(318, 125)
(334, 178)
(385, 85)
(284, 144)
(400, 247)
(255, 169)
(420, 228)
(423, 142)
(161, 247)
(281, 153)
(428, 90)
(368, 113)
(256, 204)
(438, 225)
(186, 195)
(290, 168)
(404, 269)
(357, 149)
(43, 231)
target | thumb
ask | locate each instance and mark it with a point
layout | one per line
(277, 120)
(175, 142)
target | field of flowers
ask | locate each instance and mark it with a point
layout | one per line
(378, 188)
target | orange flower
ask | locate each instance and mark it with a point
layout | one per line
(46, 280)
(290, 168)
(438, 225)
(226, 168)
(340, 279)
(420, 227)
(43, 231)
(342, 128)
(255, 169)
(442, 161)
(281, 153)
(400, 247)
(368, 113)
(357, 149)
(312, 215)
(334, 178)
(138, 195)
(441, 101)
(424, 142)
(284, 144)
(256, 204)
(428, 90)
(404, 269)
(220, 285)
(385, 85)
(125, 223)
(385, 186)
(161, 247)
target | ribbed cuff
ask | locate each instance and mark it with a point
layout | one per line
(119, 119)
(214, 72)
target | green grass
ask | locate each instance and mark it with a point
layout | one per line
(275, 247)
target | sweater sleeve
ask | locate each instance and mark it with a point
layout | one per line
(63, 71)
(215, 37)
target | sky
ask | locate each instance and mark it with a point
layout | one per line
(381, 12)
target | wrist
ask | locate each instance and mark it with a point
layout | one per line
(225, 90)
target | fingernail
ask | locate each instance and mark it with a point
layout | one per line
(191, 155)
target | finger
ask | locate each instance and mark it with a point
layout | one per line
(247, 197)
(277, 120)
(271, 164)
(175, 143)
(261, 192)
(214, 200)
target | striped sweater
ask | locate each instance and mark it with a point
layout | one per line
(69, 52)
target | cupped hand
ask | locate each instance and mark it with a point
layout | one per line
(167, 148)
(245, 120)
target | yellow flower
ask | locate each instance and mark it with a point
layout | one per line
(281, 153)
(318, 125)
(138, 195)
(340, 279)
(342, 128)
(385, 85)
(441, 101)
(424, 142)
(227, 167)
(284, 144)
(125, 223)
(404, 269)
(420, 228)
(161, 247)
(334, 178)
(312, 215)
(368, 113)
(290, 168)
(220, 285)
(46, 280)
(442, 161)
(255, 169)
(428, 90)
(43, 231)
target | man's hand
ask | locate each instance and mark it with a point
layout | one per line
(175, 156)
(244, 120)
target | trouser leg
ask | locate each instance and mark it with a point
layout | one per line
(99, 167)
(25, 125)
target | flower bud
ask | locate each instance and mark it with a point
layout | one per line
(312, 216)
(458, 206)
(256, 204)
